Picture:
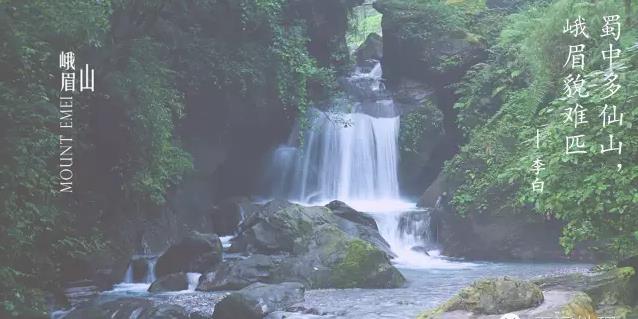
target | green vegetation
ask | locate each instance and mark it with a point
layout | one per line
(363, 21)
(361, 260)
(417, 126)
(129, 155)
(519, 90)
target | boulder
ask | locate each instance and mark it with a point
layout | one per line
(195, 253)
(279, 227)
(359, 225)
(342, 210)
(318, 247)
(370, 49)
(237, 274)
(258, 300)
(228, 214)
(491, 297)
(613, 287)
(171, 282)
(556, 304)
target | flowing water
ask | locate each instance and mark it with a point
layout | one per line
(357, 163)
(354, 157)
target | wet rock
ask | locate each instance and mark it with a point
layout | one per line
(490, 297)
(126, 308)
(359, 225)
(80, 291)
(228, 214)
(421, 249)
(171, 282)
(418, 224)
(280, 227)
(370, 49)
(608, 288)
(240, 273)
(342, 210)
(195, 253)
(321, 249)
(258, 300)
(294, 315)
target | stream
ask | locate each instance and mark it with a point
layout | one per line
(354, 158)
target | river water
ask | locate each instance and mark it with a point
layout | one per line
(353, 157)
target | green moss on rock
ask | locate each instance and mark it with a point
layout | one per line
(492, 296)
(365, 266)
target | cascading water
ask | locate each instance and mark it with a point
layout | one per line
(357, 164)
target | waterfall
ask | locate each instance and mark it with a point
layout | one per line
(354, 158)
(350, 156)
(355, 163)
(141, 269)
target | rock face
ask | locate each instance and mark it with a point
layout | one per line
(311, 245)
(258, 300)
(195, 253)
(370, 49)
(171, 282)
(417, 44)
(500, 237)
(487, 236)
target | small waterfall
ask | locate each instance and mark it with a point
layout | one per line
(357, 163)
(128, 276)
(141, 269)
(193, 280)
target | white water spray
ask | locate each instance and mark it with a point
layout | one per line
(356, 164)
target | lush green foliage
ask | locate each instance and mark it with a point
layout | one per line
(363, 21)
(126, 144)
(37, 230)
(520, 90)
(417, 126)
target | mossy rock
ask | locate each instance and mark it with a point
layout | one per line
(613, 287)
(579, 306)
(365, 266)
(492, 296)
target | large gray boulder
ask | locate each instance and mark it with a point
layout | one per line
(258, 300)
(171, 282)
(196, 252)
(237, 274)
(491, 297)
(317, 247)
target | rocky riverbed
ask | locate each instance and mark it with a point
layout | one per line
(293, 261)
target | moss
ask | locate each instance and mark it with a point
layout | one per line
(579, 307)
(361, 260)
